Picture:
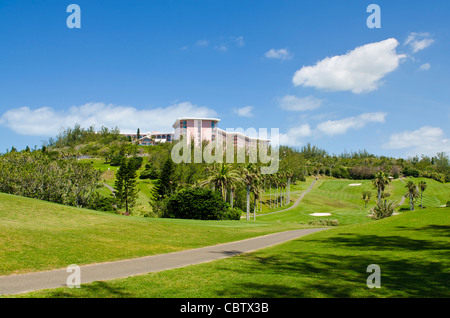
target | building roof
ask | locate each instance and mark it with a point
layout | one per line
(194, 118)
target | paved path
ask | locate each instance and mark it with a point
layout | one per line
(110, 188)
(15, 284)
(295, 203)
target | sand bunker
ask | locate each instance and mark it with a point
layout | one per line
(354, 184)
(321, 214)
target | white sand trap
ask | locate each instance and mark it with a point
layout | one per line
(321, 214)
(354, 184)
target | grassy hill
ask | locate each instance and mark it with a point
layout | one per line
(411, 249)
(37, 235)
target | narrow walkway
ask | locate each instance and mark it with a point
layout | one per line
(295, 203)
(15, 284)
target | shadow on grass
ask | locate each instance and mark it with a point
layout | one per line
(342, 273)
(99, 289)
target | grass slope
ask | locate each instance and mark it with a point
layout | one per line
(37, 235)
(412, 250)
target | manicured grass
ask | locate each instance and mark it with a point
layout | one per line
(329, 196)
(37, 235)
(435, 195)
(412, 250)
(344, 202)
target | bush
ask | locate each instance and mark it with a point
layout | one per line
(136, 162)
(233, 214)
(410, 172)
(102, 203)
(196, 203)
(116, 161)
(383, 209)
(326, 222)
(340, 172)
(150, 173)
(448, 204)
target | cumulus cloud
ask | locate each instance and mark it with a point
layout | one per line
(426, 140)
(358, 71)
(202, 43)
(294, 103)
(281, 54)
(425, 67)
(239, 41)
(341, 126)
(244, 111)
(295, 136)
(418, 41)
(46, 121)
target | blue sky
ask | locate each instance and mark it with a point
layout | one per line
(313, 69)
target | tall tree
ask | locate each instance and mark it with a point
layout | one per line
(422, 187)
(412, 193)
(222, 177)
(167, 178)
(250, 175)
(366, 197)
(380, 182)
(125, 185)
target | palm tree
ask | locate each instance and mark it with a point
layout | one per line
(250, 174)
(383, 209)
(289, 175)
(380, 182)
(221, 177)
(255, 189)
(422, 187)
(366, 197)
(413, 193)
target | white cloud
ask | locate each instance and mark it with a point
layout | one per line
(341, 126)
(418, 41)
(46, 121)
(244, 111)
(295, 135)
(239, 41)
(426, 140)
(202, 43)
(294, 103)
(359, 70)
(281, 54)
(221, 48)
(425, 67)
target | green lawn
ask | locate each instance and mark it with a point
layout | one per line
(412, 250)
(343, 199)
(37, 235)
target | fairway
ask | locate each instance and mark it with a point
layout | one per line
(37, 235)
(412, 251)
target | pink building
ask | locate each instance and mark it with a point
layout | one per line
(197, 129)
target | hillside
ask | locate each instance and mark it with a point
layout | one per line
(37, 235)
(412, 251)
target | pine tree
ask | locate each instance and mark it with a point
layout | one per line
(125, 185)
(167, 179)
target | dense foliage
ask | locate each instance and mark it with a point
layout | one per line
(54, 174)
(36, 175)
(197, 203)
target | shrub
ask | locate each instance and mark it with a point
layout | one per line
(116, 161)
(233, 214)
(410, 172)
(383, 209)
(325, 222)
(136, 162)
(448, 204)
(102, 203)
(196, 203)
